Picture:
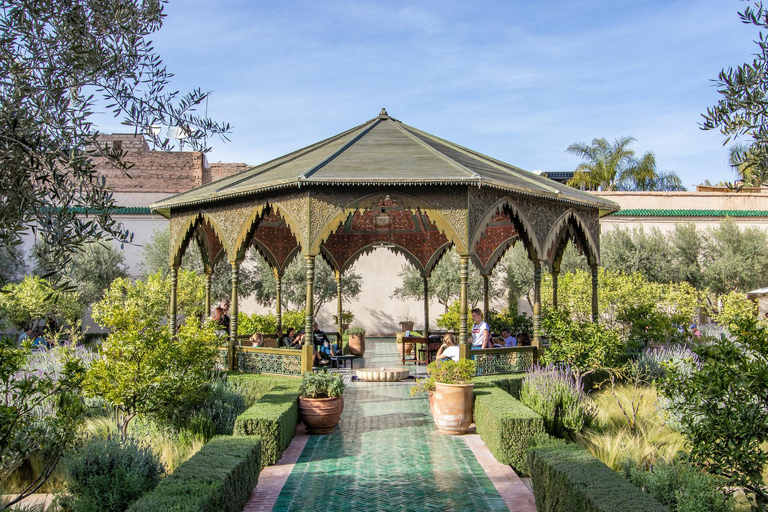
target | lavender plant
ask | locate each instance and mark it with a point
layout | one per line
(556, 393)
(653, 362)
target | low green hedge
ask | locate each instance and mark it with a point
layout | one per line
(273, 418)
(570, 478)
(252, 386)
(505, 425)
(512, 383)
(218, 478)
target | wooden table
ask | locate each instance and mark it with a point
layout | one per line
(416, 341)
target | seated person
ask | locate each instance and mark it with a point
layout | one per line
(523, 339)
(326, 349)
(26, 335)
(318, 336)
(222, 319)
(301, 337)
(289, 340)
(509, 340)
(449, 349)
(257, 340)
(39, 341)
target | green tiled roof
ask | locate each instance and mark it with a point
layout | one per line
(382, 151)
(123, 210)
(647, 212)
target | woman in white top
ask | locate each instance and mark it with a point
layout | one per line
(481, 335)
(449, 349)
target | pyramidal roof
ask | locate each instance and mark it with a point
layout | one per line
(382, 151)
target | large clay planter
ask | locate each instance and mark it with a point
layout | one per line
(321, 415)
(407, 346)
(357, 344)
(452, 407)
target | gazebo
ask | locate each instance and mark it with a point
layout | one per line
(384, 184)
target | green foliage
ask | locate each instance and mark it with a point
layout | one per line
(735, 308)
(142, 369)
(251, 386)
(446, 371)
(273, 418)
(511, 383)
(603, 163)
(722, 408)
(509, 320)
(107, 475)
(444, 282)
(451, 319)
(355, 331)
(40, 414)
(569, 478)
(679, 486)
(321, 385)
(137, 305)
(33, 299)
(12, 266)
(558, 397)
(218, 478)
(58, 60)
(517, 272)
(346, 316)
(255, 323)
(505, 425)
(734, 258)
(584, 346)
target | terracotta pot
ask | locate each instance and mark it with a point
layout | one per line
(321, 415)
(452, 407)
(408, 348)
(357, 344)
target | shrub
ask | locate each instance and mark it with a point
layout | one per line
(653, 362)
(321, 385)
(509, 320)
(355, 331)
(679, 486)
(556, 395)
(213, 416)
(505, 424)
(451, 319)
(250, 324)
(106, 475)
(584, 346)
(511, 383)
(251, 386)
(569, 478)
(218, 478)
(273, 418)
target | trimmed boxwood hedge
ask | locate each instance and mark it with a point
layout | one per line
(218, 478)
(512, 383)
(570, 478)
(505, 425)
(273, 418)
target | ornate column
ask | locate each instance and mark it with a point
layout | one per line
(537, 304)
(339, 310)
(464, 272)
(555, 275)
(309, 313)
(279, 308)
(594, 292)
(426, 307)
(173, 312)
(233, 312)
(208, 275)
(486, 302)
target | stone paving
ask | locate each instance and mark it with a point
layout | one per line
(386, 455)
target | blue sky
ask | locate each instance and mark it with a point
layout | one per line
(516, 80)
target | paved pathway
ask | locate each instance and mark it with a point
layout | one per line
(386, 454)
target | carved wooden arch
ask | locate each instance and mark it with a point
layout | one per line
(522, 225)
(558, 238)
(370, 200)
(435, 258)
(195, 222)
(251, 223)
(210, 254)
(495, 258)
(366, 249)
(271, 259)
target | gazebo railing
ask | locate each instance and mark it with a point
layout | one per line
(503, 360)
(280, 361)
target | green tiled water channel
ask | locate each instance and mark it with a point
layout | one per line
(386, 454)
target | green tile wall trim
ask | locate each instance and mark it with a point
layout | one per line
(123, 210)
(644, 212)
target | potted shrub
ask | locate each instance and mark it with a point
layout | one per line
(356, 341)
(321, 401)
(407, 325)
(407, 347)
(450, 394)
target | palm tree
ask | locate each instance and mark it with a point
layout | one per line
(750, 164)
(641, 174)
(603, 162)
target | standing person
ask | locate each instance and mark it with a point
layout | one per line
(448, 350)
(509, 340)
(224, 305)
(222, 319)
(481, 334)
